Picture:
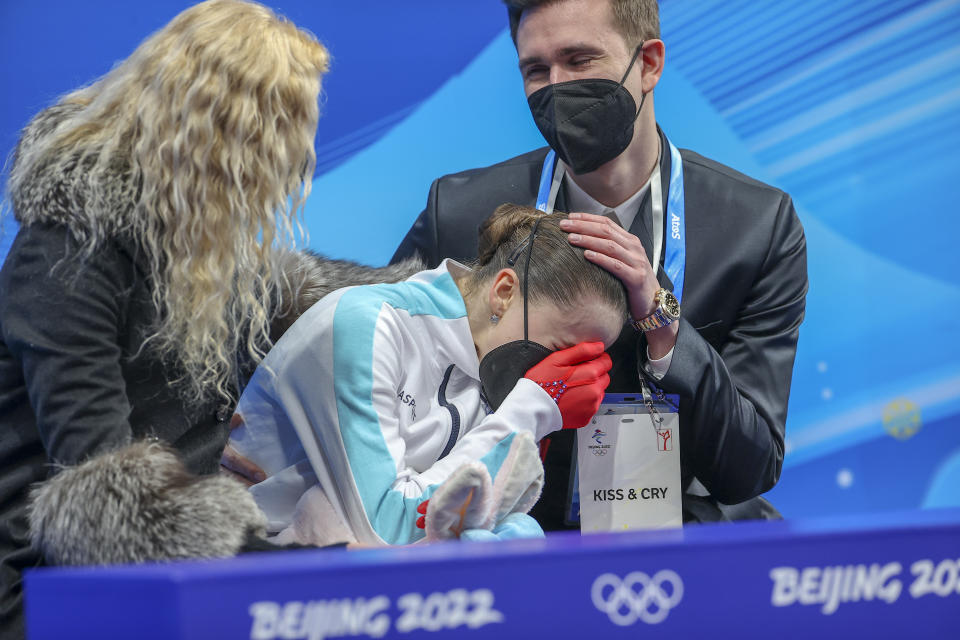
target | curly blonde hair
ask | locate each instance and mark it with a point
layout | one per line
(212, 121)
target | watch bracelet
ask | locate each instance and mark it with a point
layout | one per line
(655, 320)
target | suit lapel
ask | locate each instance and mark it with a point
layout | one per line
(642, 221)
(561, 203)
(641, 225)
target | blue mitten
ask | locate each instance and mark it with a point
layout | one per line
(513, 527)
(518, 525)
(478, 535)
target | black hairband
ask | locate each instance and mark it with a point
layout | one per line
(512, 260)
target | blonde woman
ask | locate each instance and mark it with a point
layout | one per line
(144, 278)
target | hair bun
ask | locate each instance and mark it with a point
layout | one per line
(505, 222)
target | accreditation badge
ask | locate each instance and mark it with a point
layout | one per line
(628, 463)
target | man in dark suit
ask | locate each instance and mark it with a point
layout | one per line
(729, 355)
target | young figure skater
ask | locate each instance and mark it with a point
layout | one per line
(382, 398)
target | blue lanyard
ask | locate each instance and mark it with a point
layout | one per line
(675, 257)
(546, 179)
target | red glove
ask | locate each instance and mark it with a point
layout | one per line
(576, 378)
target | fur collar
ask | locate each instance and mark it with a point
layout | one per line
(310, 276)
(56, 193)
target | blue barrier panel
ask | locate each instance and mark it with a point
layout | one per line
(885, 576)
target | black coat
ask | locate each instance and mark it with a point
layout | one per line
(72, 382)
(743, 302)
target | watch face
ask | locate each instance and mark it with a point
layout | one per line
(670, 303)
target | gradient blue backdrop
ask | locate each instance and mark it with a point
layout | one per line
(852, 106)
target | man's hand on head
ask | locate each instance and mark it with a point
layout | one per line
(612, 247)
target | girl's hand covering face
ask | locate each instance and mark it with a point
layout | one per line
(576, 378)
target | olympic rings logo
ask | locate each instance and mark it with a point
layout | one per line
(637, 596)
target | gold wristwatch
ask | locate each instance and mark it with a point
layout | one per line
(668, 310)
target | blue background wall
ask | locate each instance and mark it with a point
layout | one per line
(853, 106)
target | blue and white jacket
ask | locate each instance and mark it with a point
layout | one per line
(374, 394)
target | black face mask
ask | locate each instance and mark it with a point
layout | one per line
(587, 122)
(504, 366)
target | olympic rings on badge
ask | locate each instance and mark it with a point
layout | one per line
(624, 604)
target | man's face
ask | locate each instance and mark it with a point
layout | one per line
(570, 40)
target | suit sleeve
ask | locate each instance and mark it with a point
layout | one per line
(60, 321)
(422, 239)
(736, 400)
